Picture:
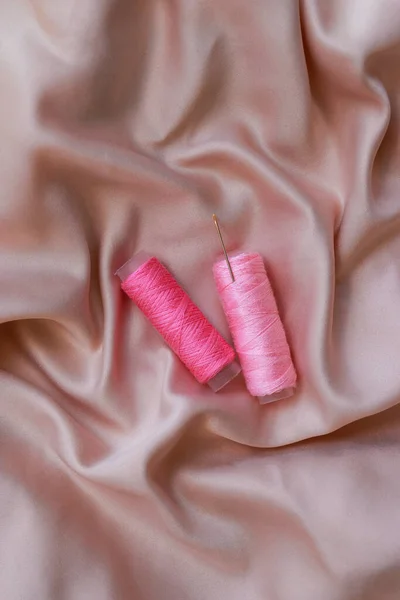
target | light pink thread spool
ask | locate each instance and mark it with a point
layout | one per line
(220, 365)
(250, 307)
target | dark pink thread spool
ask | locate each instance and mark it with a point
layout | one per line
(179, 321)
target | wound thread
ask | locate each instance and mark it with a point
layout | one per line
(257, 330)
(180, 322)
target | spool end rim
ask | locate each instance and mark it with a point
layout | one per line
(131, 265)
(281, 395)
(226, 375)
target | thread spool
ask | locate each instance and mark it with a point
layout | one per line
(257, 330)
(180, 322)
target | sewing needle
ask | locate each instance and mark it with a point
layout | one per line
(223, 246)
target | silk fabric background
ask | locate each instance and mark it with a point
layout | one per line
(124, 125)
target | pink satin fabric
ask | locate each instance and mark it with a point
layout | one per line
(124, 125)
